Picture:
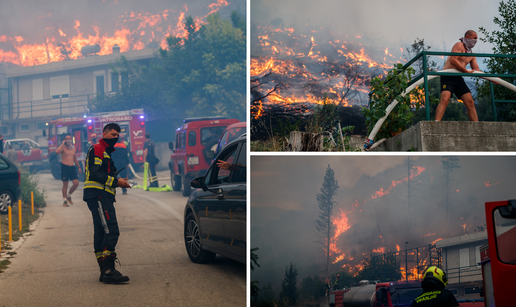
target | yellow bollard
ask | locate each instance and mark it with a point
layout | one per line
(10, 224)
(19, 213)
(32, 202)
(145, 175)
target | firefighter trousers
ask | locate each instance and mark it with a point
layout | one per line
(105, 225)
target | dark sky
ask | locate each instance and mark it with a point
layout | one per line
(284, 206)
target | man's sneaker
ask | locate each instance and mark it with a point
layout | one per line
(124, 193)
(69, 199)
(65, 204)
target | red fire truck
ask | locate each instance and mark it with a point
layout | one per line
(498, 256)
(196, 142)
(132, 124)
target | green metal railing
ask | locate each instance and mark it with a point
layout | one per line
(427, 73)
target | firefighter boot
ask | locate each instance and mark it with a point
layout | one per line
(110, 274)
(99, 261)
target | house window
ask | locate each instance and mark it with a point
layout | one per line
(115, 83)
(477, 255)
(124, 78)
(41, 126)
(471, 290)
(464, 257)
(24, 127)
(37, 89)
(59, 87)
(98, 81)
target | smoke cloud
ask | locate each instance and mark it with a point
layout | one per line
(373, 197)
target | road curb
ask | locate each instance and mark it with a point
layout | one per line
(5, 253)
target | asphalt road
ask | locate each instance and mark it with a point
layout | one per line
(56, 266)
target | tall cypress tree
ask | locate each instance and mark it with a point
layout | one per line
(325, 199)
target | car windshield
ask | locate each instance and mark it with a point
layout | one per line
(229, 136)
(405, 297)
(21, 145)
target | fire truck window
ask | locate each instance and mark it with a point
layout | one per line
(183, 140)
(505, 230)
(50, 131)
(211, 135)
(177, 140)
(192, 141)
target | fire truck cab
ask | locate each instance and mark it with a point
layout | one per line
(132, 124)
(498, 256)
(194, 150)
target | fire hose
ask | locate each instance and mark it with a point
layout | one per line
(134, 174)
(369, 142)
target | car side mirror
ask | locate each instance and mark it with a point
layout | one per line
(509, 211)
(392, 289)
(198, 183)
(171, 146)
(210, 155)
(44, 132)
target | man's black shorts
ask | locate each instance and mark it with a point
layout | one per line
(68, 172)
(454, 84)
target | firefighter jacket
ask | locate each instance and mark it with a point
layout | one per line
(100, 174)
(435, 297)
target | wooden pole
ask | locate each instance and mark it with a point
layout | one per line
(10, 224)
(32, 202)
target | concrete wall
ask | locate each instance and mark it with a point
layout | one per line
(454, 136)
(451, 263)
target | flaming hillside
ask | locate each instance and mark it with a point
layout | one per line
(62, 38)
(299, 65)
(373, 217)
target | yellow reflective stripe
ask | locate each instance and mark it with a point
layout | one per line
(98, 161)
(96, 185)
(106, 155)
(109, 181)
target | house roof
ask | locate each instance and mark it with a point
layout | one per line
(89, 61)
(460, 240)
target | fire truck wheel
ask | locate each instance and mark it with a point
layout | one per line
(176, 181)
(55, 169)
(193, 242)
(187, 189)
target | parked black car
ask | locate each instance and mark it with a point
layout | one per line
(215, 214)
(10, 178)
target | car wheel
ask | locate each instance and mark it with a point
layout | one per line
(187, 189)
(55, 168)
(193, 242)
(6, 199)
(176, 181)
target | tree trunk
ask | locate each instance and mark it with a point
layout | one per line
(304, 141)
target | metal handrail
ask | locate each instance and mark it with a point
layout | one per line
(466, 271)
(427, 73)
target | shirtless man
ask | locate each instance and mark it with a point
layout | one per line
(456, 84)
(68, 172)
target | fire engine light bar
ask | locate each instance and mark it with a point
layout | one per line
(89, 120)
(141, 116)
(84, 115)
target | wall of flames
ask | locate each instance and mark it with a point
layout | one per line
(134, 31)
(302, 58)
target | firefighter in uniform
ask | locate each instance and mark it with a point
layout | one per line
(99, 193)
(434, 293)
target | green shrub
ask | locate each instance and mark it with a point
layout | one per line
(30, 183)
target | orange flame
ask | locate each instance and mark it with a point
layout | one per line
(417, 170)
(136, 30)
(490, 184)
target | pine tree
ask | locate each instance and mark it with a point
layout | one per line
(325, 199)
(288, 294)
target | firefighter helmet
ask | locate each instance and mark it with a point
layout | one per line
(436, 274)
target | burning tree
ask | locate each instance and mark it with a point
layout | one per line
(200, 74)
(329, 189)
